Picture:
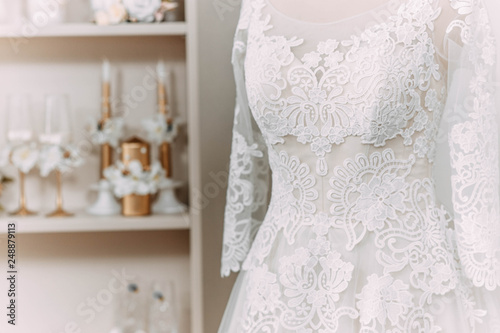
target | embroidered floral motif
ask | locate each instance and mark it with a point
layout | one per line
(358, 206)
(381, 199)
(384, 298)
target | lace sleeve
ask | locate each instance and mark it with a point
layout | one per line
(248, 184)
(472, 126)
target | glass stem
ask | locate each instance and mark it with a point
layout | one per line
(59, 190)
(22, 197)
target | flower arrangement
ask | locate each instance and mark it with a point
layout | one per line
(24, 156)
(134, 179)
(61, 158)
(117, 11)
(159, 130)
(110, 131)
(48, 158)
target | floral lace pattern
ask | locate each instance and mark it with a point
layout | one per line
(238, 238)
(354, 238)
(474, 157)
(319, 111)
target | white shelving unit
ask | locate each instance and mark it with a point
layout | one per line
(82, 222)
(178, 39)
(92, 30)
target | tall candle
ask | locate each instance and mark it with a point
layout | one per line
(161, 71)
(106, 78)
(106, 149)
(106, 70)
(162, 97)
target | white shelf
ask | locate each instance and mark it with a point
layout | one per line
(92, 30)
(86, 223)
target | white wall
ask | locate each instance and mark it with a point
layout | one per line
(217, 21)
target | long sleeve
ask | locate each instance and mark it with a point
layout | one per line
(247, 192)
(471, 117)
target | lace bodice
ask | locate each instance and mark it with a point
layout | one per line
(349, 116)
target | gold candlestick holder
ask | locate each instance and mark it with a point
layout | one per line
(165, 158)
(59, 212)
(23, 210)
(105, 204)
(106, 157)
(164, 149)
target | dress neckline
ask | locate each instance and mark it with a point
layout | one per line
(345, 19)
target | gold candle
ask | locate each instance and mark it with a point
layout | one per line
(133, 204)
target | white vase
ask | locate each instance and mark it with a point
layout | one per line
(167, 202)
(105, 204)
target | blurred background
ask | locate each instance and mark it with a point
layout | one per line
(115, 273)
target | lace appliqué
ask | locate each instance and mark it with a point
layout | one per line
(311, 102)
(247, 193)
(304, 291)
(474, 156)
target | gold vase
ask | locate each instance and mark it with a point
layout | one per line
(136, 149)
(136, 205)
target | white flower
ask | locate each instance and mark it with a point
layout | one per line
(55, 157)
(133, 179)
(156, 176)
(122, 185)
(158, 131)
(109, 12)
(101, 17)
(117, 13)
(142, 10)
(24, 157)
(50, 159)
(111, 131)
(72, 158)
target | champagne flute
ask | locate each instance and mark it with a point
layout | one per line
(57, 131)
(131, 312)
(162, 309)
(20, 132)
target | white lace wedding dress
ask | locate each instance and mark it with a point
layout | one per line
(348, 118)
